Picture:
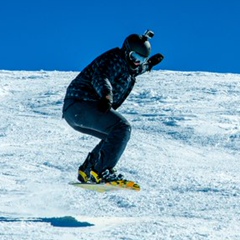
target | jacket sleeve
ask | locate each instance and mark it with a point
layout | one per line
(133, 81)
(141, 69)
(101, 76)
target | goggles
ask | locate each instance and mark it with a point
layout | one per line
(137, 58)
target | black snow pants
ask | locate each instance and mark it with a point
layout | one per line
(111, 127)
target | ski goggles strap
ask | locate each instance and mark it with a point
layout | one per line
(137, 58)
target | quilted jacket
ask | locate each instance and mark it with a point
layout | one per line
(107, 74)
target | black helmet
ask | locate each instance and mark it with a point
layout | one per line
(138, 44)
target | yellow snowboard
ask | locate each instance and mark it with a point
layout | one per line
(109, 186)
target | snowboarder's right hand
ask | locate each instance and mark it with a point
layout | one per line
(154, 60)
(105, 104)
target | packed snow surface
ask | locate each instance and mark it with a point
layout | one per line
(184, 152)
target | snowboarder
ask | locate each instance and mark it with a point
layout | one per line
(94, 95)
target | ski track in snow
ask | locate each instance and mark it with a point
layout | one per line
(184, 152)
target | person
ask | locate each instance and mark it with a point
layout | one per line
(93, 97)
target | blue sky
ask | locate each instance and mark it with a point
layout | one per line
(193, 35)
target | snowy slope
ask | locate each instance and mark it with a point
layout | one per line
(184, 152)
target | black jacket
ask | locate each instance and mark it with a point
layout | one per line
(108, 74)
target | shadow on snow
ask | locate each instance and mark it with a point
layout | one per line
(66, 221)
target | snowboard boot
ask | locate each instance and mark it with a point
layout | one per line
(109, 175)
(82, 175)
(84, 169)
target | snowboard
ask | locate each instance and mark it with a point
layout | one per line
(109, 186)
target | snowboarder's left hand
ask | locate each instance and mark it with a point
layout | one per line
(105, 104)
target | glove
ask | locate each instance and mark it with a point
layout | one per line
(154, 60)
(105, 104)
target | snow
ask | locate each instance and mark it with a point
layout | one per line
(184, 152)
